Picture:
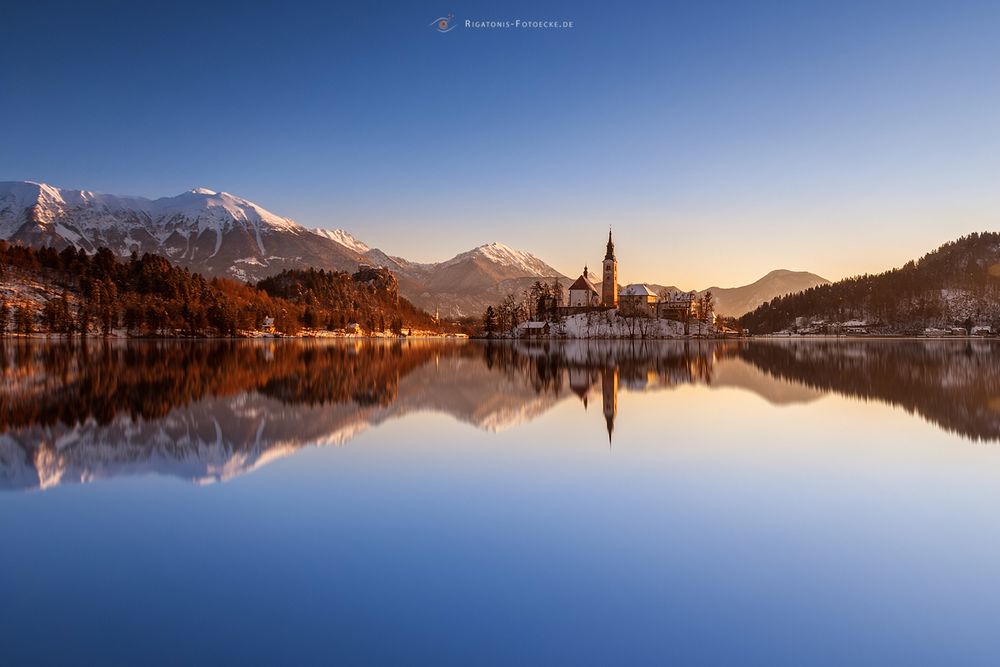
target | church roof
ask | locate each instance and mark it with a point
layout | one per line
(637, 289)
(583, 284)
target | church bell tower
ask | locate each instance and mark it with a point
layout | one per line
(609, 288)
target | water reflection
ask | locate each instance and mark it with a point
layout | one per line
(208, 411)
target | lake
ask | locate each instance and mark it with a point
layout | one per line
(587, 502)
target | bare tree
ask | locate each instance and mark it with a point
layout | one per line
(648, 326)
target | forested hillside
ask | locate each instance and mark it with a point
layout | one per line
(957, 284)
(334, 299)
(74, 292)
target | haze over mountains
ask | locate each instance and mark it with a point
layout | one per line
(738, 300)
(220, 234)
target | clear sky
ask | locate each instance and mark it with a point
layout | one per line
(720, 139)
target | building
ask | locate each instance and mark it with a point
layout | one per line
(535, 329)
(582, 293)
(637, 299)
(609, 285)
(680, 306)
(268, 325)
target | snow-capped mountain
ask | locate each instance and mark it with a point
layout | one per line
(220, 234)
(215, 233)
(517, 263)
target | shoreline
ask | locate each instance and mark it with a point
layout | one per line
(98, 336)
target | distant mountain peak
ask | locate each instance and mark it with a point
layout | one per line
(789, 272)
(511, 259)
(736, 301)
(203, 191)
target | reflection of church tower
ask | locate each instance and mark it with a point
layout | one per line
(609, 389)
(609, 288)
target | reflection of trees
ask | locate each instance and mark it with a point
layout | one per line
(46, 384)
(955, 385)
(95, 382)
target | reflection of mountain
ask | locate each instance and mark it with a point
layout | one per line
(739, 374)
(468, 390)
(208, 411)
(213, 439)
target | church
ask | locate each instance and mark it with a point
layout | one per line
(584, 294)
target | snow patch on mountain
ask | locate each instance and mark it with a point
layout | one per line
(344, 238)
(209, 210)
(505, 256)
(203, 229)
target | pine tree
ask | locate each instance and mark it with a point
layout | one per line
(24, 318)
(490, 321)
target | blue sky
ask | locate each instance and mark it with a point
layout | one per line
(721, 140)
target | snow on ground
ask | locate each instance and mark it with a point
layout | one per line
(17, 288)
(609, 324)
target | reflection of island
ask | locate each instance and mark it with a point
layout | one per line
(209, 411)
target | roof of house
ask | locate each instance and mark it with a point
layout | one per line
(535, 325)
(681, 297)
(637, 289)
(583, 284)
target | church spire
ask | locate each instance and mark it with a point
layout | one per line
(611, 247)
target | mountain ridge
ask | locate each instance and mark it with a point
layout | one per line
(736, 301)
(220, 234)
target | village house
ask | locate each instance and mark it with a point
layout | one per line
(677, 305)
(534, 329)
(637, 299)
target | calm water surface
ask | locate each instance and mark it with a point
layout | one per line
(288, 502)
